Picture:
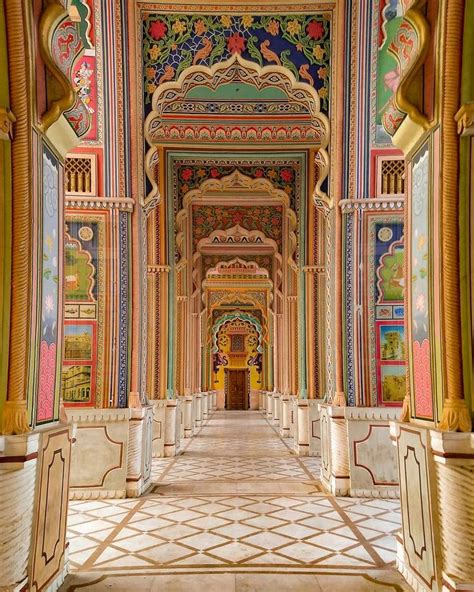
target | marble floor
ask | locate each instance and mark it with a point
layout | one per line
(237, 511)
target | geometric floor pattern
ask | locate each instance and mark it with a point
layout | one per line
(237, 504)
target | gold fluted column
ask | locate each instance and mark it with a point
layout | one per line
(15, 413)
(456, 415)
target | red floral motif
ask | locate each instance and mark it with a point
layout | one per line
(157, 30)
(315, 30)
(214, 173)
(237, 217)
(259, 173)
(47, 379)
(186, 174)
(422, 379)
(236, 43)
(286, 175)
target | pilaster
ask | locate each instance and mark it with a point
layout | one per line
(285, 416)
(172, 427)
(158, 438)
(276, 409)
(139, 451)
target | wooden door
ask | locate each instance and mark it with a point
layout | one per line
(237, 389)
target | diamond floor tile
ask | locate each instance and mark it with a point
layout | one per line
(236, 499)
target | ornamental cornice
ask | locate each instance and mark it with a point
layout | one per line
(314, 269)
(374, 203)
(77, 202)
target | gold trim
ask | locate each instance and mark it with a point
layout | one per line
(15, 418)
(456, 416)
(50, 18)
(405, 415)
(15, 412)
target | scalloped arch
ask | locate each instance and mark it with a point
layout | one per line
(237, 68)
(231, 316)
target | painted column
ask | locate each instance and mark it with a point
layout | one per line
(15, 413)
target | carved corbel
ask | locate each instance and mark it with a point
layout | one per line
(7, 119)
(63, 91)
(465, 119)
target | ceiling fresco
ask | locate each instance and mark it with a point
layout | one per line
(267, 219)
(173, 42)
(283, 176)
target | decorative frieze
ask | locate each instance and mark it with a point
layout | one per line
(80, 202)
(375, 203)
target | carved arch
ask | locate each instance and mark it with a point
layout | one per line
(231, 316)
(237, 69)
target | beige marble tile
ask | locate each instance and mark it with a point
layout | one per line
(275, 583)
(237, 499)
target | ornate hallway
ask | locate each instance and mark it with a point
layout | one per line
(236, 508)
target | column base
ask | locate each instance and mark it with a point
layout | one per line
(159, 416)
(34, 477)
(102, 436)
(173, 424)
(373, 466)
(335, 475)
(408, 573)
(436, 480)
(140, 451)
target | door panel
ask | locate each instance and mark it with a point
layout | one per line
(237, 395)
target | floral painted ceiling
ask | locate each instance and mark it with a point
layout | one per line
(173, 42)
